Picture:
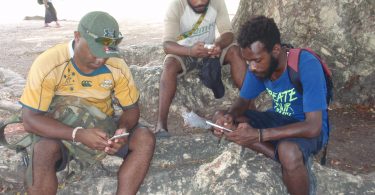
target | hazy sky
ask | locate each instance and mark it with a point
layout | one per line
(15, 11)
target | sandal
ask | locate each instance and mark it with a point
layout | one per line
(162, 133)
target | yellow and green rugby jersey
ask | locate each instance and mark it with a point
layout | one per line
(54, 73)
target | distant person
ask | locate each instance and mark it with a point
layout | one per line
(50, 15)
(67, 104)
(296, 127)
(190, 43)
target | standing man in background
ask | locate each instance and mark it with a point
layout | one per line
(50, 15)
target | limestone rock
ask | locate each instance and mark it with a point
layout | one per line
(143, 55)
(196, 165)
(11, 84)
(191, 93)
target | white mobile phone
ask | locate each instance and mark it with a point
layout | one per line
(119, 136)
(208, 46)
(218, 126)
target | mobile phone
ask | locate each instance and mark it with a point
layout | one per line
(208, 46)
(218, 126)
(119, 136)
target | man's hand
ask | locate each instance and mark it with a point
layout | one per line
(244, 135)
(215, 52)
(224, 121)
(116, 144)
(93, 138)
(198, 50)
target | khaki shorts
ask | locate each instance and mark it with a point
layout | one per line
(190, 63)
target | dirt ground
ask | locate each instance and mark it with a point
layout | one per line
(351, 146)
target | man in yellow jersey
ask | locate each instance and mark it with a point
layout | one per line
(89, 71)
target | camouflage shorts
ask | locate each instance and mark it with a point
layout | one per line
(189, 63)
(77, 112)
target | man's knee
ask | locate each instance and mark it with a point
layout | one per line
(172, 66)
(290, 155)
(47, 151)
(233, 52)
(143, 138)
(238, 65)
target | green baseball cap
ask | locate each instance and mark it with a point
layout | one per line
(102, 34)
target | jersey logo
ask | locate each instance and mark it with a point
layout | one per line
(86, 83)
(69, 77)
(106, 84)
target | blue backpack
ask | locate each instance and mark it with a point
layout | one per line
(294, 76)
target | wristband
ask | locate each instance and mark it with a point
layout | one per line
(260, 131)
(75, 132)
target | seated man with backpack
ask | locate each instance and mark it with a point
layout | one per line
(68, 109)
(296, 127)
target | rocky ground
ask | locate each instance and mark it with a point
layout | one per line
(352, 138)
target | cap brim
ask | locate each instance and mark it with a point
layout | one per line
(100, 50)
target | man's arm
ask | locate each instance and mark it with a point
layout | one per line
(229, 118)
(129, 117)
(128, 120)
(224, 40)
(39, 124)
(197, 50)
(171, 47)
(245, 134)
(308, 128)
(240, 106)
(220, 43)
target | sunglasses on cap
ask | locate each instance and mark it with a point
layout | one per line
(105, 40)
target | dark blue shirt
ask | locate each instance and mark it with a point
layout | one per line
(286, 99)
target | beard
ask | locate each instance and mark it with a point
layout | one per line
(273, 65)
(199, 9)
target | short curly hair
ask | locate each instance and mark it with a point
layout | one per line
(259, 28)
